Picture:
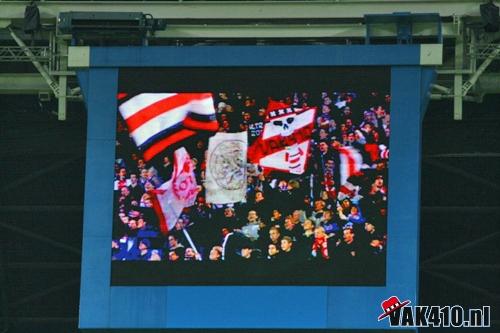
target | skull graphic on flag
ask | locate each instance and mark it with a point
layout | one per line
(285, 139)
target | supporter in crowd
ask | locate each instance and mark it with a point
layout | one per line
(320, 216)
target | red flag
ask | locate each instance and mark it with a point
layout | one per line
(285, 141)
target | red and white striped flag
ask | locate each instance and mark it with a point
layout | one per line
(350, 163)
(155, 121)
(179, 192)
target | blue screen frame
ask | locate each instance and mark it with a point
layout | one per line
(303, 307)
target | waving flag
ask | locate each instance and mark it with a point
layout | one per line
(285, 141)
(350, 163)
(226, 168)
(155, 121)
(179, 192)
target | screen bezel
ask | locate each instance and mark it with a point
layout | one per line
(313, 307)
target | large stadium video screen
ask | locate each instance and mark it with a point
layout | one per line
(251, 176)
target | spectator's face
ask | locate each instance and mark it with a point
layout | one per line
(367, 128)
(140, 163)
(383, 211)
(142, 246)
(144, 173)
(179, 224)
(354, 210)
(272, 249)
(189, 253)
(323, 147)
(325, 110)
(369, 227)
(286, 245)
(380, 166)
(214, 254)
(274, 235)
(140, 223)
(123, 173)
(308, 225)
(319, 233)
(123, 218)
(133, 178)
(252, 215)
(379, 182)
(343, 128)
(172, 242)
(288, 223)
(228, 212)
(375, 243)
(319, 205)
(323, 134)
(345, 204)
(296, 215)
(351, 137)
(166, 160)
(368, 116)
(327, 215)
(246, 252)
(147, 201)
(276, 214)
(246, 116)
(132, 224)
(348, 235)
(172, 256)
(148, 186)
(348, 123)
(125, 192)
(259, 196)
(283, 185)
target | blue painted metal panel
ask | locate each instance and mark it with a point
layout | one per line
(255, 307)
(100, 89)
(331, 55)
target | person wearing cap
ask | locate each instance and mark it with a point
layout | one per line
(144, 250)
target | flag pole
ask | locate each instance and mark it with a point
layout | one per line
(190, 241)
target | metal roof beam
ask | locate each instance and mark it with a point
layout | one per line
(250, 10)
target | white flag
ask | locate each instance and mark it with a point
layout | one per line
(177, 193)
(226, 168)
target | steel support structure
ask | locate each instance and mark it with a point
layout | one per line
(261, 10)
(458, 78)
(316, 21)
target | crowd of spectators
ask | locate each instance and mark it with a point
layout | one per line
(285, 217)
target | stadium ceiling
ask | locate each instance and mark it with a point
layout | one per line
(251, 9)
(467, 54)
